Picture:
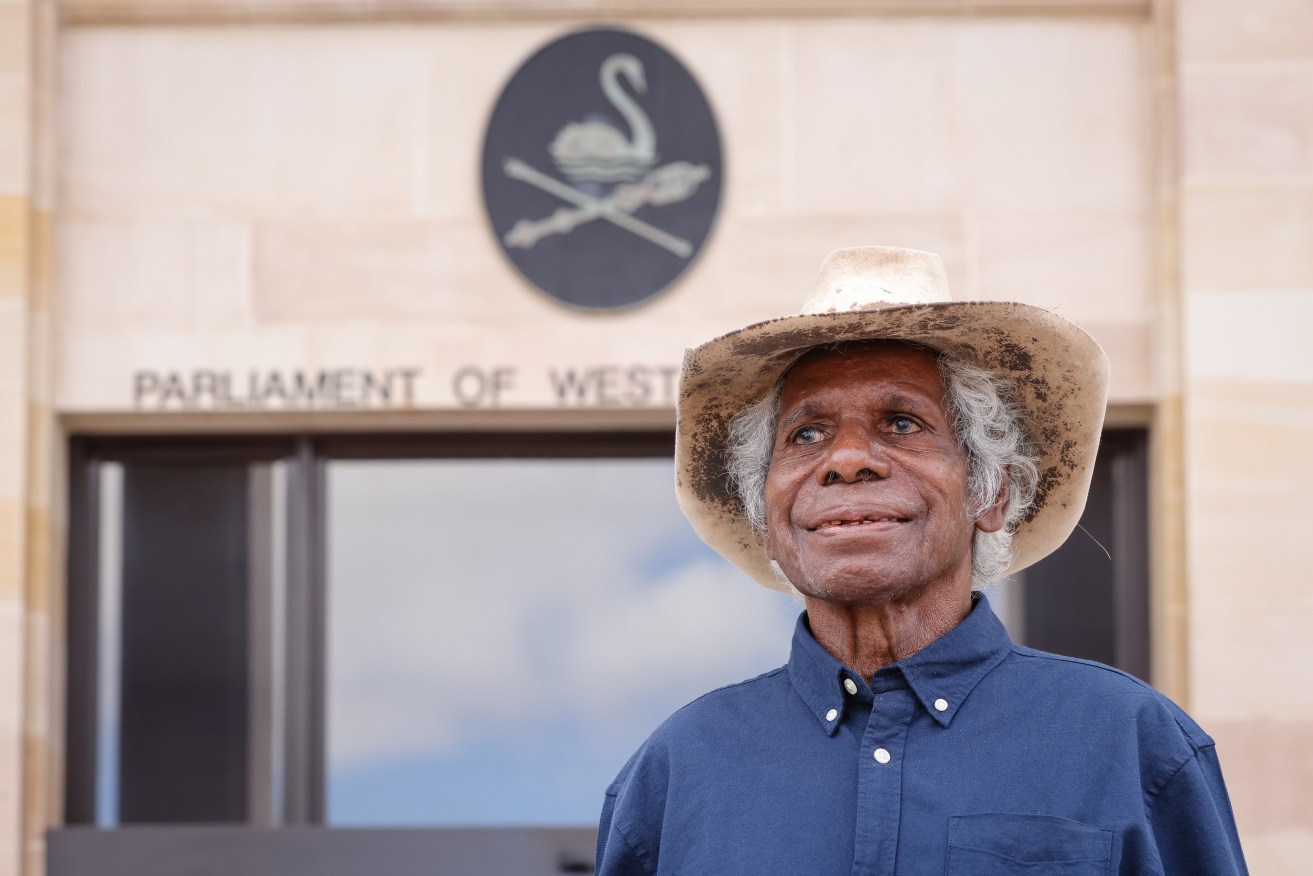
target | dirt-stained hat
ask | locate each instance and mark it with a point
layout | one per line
(1057, 372)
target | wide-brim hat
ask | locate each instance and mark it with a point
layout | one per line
(1058, 376)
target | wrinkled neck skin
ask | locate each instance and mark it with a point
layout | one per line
(869, 636)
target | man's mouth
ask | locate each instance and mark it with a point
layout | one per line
(856, 521)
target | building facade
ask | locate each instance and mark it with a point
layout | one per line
(251, 255)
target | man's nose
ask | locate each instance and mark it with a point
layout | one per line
(856, 454)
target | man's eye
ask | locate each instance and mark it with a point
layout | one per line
(807, 435)
(904, 425)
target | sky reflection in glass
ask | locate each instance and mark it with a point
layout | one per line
(503, 633)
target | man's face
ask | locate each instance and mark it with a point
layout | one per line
(866, 492)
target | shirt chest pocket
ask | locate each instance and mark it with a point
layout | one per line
(997, 844)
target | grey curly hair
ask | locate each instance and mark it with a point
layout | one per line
(987, 424)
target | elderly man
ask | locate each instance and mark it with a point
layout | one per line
(884, 455)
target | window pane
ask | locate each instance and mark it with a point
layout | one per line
(109, 585)
(1090, 597)
(189, 585)
(503, 633)
(183, 706)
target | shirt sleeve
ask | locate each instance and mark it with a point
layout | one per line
(1192, 822)
(615, 856)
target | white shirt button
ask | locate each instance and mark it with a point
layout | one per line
(832, 714)
(881, 756)
(941, 705)
(850, 685)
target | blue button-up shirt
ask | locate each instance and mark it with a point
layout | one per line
(972, 757)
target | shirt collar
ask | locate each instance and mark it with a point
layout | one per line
(942, 674)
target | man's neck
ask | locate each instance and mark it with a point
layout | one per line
(867, 637)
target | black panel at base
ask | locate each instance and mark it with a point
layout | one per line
(166, 851)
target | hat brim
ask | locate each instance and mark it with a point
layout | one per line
(1058, 375)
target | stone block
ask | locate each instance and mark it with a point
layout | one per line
(915, 115)
(43, 448)
(15, 88)
(40, 806)
(383, 270)
(38, 559)
(11, 729)
(1090, 265)
(1248, 123)
(141, 273)
(1263, 31)
(12, 514)
(1248, 475)
(1258, 336)
(15, 134)
(871, 117)
(467, 69)
(278, 121)
(13, 333)
(1075, 136)
(1247, 237)
(1225, 633)
(13, 246)
(1278, 852)
(39, 260)
(1269, 774)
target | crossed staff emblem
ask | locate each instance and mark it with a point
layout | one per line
(668, 184)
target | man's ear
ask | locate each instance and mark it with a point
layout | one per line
(991, 519)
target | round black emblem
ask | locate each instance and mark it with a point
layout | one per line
(602, 169)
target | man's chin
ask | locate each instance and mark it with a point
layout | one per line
(864, 581)
(858, 586)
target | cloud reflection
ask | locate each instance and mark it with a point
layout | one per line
(565, 602)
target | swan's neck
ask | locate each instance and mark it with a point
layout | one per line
(643, 137)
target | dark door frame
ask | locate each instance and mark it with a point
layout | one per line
(305, 457)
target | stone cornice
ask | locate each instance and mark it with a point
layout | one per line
(119, 12)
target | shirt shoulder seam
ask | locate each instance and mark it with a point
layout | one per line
(1023, 651)
(1153, 792)
(1196, 744)
(737, 684)
(622, 830)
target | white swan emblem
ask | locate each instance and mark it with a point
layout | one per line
(597, 151)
